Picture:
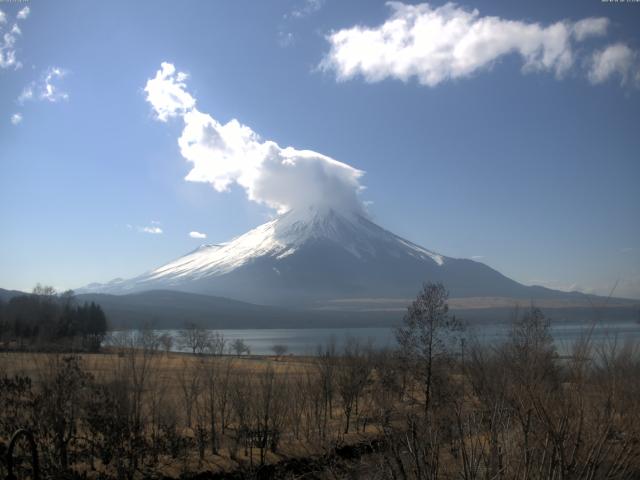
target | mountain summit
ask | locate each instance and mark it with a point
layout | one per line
(317, 256)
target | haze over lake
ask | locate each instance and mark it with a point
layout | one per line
(305, 341)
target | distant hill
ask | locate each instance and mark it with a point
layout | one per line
(6, 295)
(172, 309)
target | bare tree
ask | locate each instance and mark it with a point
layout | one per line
(64, 382)
(135, 374)
(216, 381)
(239, 347)
(190, 382)
(224, 388)
(427, 335)
(195, 338)
(326, 364)
(279, 349)
(389, 386)
(216, 344)
(166, 341)
(315, 408)
(351, 377)
(297, 403)
(240, 399)
(269, 410)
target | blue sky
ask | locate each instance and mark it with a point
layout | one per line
(526, 161)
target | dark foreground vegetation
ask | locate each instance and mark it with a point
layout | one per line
(45, 320)
(435, 407)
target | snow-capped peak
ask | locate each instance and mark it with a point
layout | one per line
(287, 233)
(312, 256)
(349, 232)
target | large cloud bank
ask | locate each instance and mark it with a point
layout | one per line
(449, 42)
(232, 153)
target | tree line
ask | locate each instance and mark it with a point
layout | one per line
(45, 319)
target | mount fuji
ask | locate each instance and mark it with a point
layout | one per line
(322, 257)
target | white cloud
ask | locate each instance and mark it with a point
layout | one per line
(27, 93)
(50, 91)
(561, 285)
(306, 8)
(626, 286)
(8, 48)
(9, 38)
(16, 118)
(615, 60)
(154, 230)
(436, 44)
(285, 39)
(197, 235)
(47, 88)
(167, 93)
(232, 153)
(24, 13)
(477, 257)
(301, 10)
(590, 27)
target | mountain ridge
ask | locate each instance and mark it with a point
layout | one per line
(312, 257)
(161, 309)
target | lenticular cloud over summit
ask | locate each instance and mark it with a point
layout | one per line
(224, 154)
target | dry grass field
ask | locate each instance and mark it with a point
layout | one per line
(176, 385)
(105, 364)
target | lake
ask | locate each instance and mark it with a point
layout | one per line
(305, 341)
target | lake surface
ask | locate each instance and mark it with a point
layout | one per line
(306, 341)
